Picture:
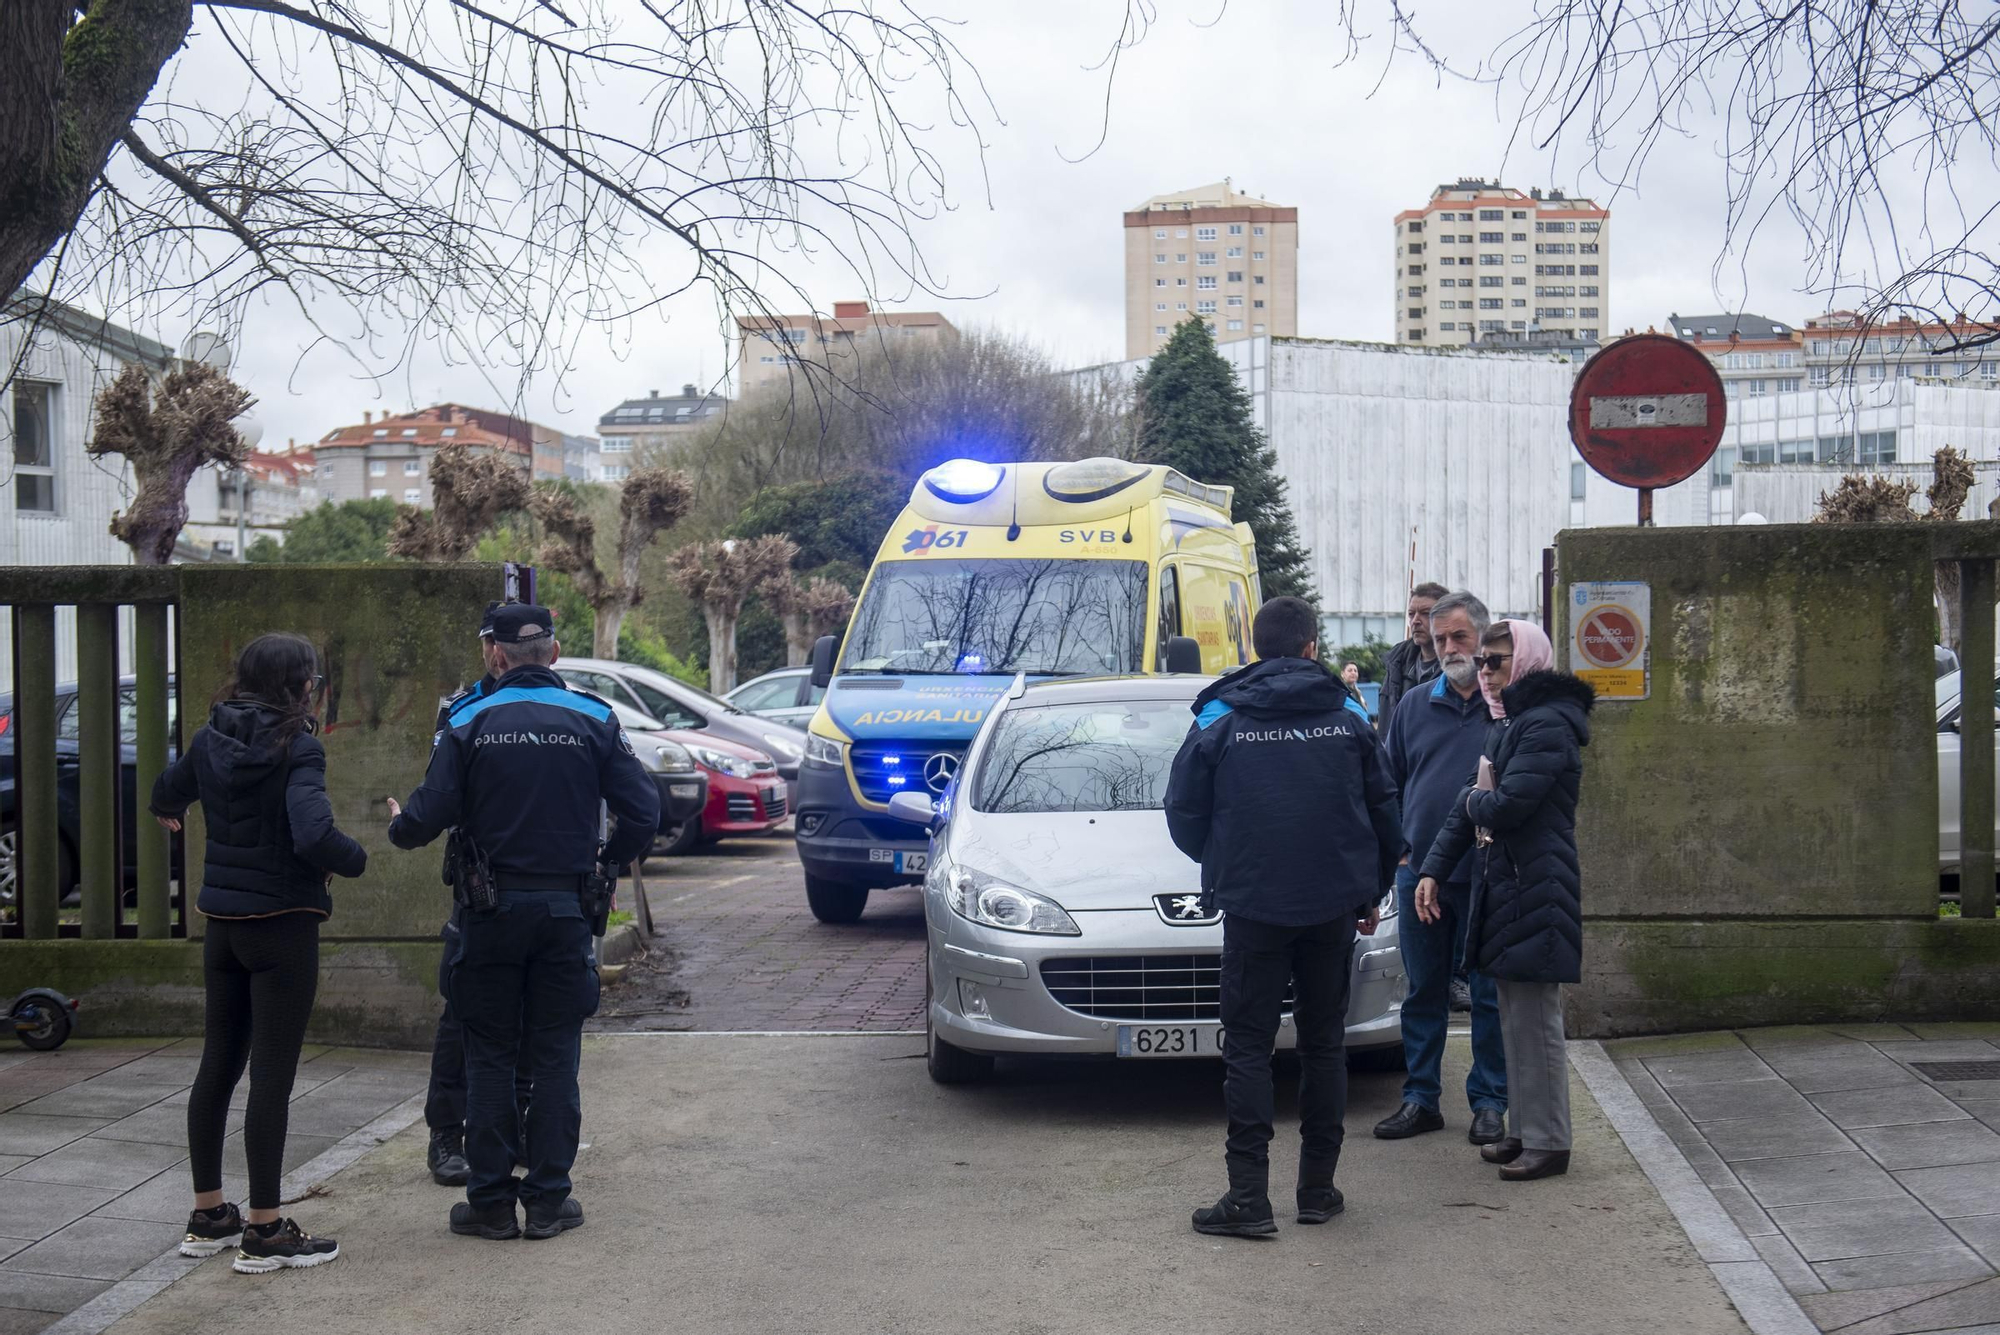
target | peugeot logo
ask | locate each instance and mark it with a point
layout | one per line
(1184, 910)
(939, 771)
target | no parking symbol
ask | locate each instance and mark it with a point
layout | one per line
(1610, 626)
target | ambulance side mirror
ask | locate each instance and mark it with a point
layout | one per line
(824, 648)
(1183, 654)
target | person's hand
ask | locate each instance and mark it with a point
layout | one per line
(395, 807)
(1369, 921)
(1405, 862)
(1427, 901)
(168, 823)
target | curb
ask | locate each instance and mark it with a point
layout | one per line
(1760, 1298)
(619, 944)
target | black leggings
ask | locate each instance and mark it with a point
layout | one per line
(262, 974)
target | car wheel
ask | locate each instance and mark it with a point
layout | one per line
(835, 901)
(10, 866)
(682, 842)
(949, 1065)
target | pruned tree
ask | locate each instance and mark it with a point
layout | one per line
(1882, 500)
(808, 609)
(486, 177)
(166, 431)
(719, 577)
(650, 501)
(469, 493)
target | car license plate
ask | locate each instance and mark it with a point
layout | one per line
(684, 789)
(913, 862)
(1170, 1040)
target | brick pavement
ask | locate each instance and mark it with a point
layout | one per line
(94, 1186)
(1870, 1188)
(739, 941)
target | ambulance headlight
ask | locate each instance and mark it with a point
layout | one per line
(962, 480)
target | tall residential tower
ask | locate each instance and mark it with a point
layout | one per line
(1482, 261)
(1226, 257)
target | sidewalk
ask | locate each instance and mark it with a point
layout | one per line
(94, 1185)
(825, 1185)
(1862, 1161)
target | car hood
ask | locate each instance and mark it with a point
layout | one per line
(931, 709)
(713, 741)
(1084, 861)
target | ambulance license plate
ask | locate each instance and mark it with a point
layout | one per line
(913, 862)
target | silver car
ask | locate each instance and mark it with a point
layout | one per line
(786, 695)
(1947, 690)
(1060, 917)
(681, 706)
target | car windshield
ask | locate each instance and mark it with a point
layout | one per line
(1111, 755)
(1002, 616)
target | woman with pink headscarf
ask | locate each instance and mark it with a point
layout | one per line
(1525, 927)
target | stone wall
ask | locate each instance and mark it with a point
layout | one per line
(1759, 835)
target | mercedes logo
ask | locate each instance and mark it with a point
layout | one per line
(939, 771)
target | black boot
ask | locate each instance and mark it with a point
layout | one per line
(447, 1157)
(1320, 1203)
(1232, 1217)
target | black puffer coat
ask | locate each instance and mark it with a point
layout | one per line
(271, 837)
(1526, 921)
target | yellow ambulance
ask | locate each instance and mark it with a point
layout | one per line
(1087, 568)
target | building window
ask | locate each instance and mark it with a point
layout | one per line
(1519, 236)
(1159, 234)
(1519, 215)
(1234, 253)
(617, 472)
(1491, 238)
(1490, 303)
(1258, 281)
(380, 432)
(1257, 305)
(1576, 479)
(1519, 282)
(378, 468)
(34, 447)
(1236, 326)
(1256, 254)
(1878, 447)
(1492, 259)
(1180, 305)
(1159, 329)
(1586, 313)
(1205, 283)
(1160, 306)
(1236, 229)
(1490, 215)
(409, 431)
(378, 493)
(1180, 282)
(1204, 308)
(1204, 234)
(1160, 257)
(1589, 226)
(1235, 275)
(1256, 231)
(412, 495)
(1159, 282)
(1181, 232)
(1722, 471)
(1204, 257)
(1520, 259)
(1256, 329)
(1233, 301)
(1587, 335)
(1518, 302)
(1588, 270)
(1180, 257)
(1446, 326)
(1492, 280)
(413, 468)
(451, 431)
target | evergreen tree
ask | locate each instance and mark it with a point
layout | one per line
(1195, 417)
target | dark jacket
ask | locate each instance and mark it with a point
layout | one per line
(1403, 668)
(1280, 792)
(1526, 921)
(1434, 742)
(271, 837)
(521, 769)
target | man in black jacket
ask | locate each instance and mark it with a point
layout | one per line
(1413, 662)
(1281, 793)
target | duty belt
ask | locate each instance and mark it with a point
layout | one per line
(507, 881)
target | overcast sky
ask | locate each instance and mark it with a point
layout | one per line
(1033, 242)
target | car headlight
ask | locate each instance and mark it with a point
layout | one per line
(734, 766)
(825, 751)
(781, 748)
(673, 757)
(995, 904)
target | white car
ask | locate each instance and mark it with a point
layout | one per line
(1948, 689)
(1060, 917)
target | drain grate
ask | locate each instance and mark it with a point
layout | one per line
(1942, 1071)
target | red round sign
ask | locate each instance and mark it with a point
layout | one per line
(1609, 638)
(1648, 411)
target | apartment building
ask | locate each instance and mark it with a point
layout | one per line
(390, 456)
(1843, 348)
(768, 347)
(638, 425)
(1229, 258)
(1484, 261)
(1752, 353)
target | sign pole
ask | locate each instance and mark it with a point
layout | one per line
(1645, 507)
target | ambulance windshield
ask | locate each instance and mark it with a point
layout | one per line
(934, 617)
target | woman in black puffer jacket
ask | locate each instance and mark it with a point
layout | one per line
(1525, 927)
(271, 850)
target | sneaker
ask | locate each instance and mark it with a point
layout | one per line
(496, 1224)
(543, 1225)
(280, 1246)
(209, 1231)
(1232, 1219)
(446, 1157)
(1461, 995)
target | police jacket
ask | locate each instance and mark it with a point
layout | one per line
(520, 770)
(271, 837)
(1526, 919)
(1404, 668)
(1281, 793)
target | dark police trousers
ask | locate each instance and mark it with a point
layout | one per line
(1258, 960)
(523, 983)
(444, 1103)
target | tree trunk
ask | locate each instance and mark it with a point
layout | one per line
(152, 524)
(721, 649)
(610, 619)
(798, 638)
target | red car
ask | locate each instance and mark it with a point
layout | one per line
(746, 794)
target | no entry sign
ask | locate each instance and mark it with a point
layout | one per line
(1610, 626)
(1648, 411)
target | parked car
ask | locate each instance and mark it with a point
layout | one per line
(68, 822)
(683, 785)
(1062, 919)
(1948, 688)
(786, 696)
(746, 794)
(688, 708)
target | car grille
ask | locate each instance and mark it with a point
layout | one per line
(744, 806)
(1140, 987)
(774, 805)
(878, 765)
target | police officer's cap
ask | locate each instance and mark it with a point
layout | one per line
(516, 623)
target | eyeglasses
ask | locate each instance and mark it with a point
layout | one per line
(317, 682)
(1491, 662)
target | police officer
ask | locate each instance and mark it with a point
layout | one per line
(520, 772)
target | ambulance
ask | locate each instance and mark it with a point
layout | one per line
(1094, 567)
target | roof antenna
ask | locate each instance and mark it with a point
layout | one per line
(1128, 527)
(1014, 524)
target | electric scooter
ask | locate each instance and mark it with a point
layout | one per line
(42, 1018)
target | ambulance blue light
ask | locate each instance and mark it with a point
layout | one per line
(964, 480)
(897, 780)
(892, 760)
(972, 663)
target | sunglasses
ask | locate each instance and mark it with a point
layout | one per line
(1491, 662)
